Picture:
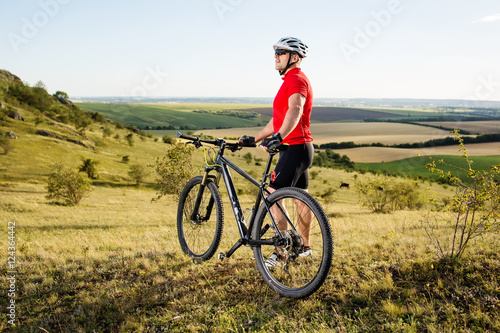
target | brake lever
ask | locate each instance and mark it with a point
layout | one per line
(196, 144)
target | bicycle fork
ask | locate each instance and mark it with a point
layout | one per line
(195, 215)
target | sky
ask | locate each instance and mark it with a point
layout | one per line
(430, 49)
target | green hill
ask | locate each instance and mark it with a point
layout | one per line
(180, 116)
(46, 129)
(416, 166)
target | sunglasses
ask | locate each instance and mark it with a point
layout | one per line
(280, 52)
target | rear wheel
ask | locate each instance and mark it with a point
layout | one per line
(288, 267)
(200, 233)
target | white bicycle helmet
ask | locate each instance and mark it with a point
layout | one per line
(292, 44)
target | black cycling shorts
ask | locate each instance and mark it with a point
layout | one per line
(292, 168)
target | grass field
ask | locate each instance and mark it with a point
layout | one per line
(176, 115)
(415, 166)
(386, 133)
(476, 127)
(113, 263)
(386, 154)
(181, 114)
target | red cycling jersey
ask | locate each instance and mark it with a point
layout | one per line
(294, 81)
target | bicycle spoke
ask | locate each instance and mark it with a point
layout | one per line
(199, 236)
(287, 267)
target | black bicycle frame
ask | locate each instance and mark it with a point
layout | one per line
(221, 166)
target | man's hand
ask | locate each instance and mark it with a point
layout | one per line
(247, 141)
(272, 142)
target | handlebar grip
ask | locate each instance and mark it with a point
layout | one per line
(188, 137)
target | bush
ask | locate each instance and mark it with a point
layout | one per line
(137, 173)
(174, 170)
(130, 139)
(168, 139)
(248, 157)
(384, 194)
(5, 143)
(67, 187)
(473, 211)
(89, 166)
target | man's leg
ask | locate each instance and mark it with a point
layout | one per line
(305, 217)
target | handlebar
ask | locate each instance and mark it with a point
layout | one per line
(219, 142)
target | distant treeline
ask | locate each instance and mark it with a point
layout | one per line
(333, 160)
(231, 113)
(415, 120)
(448, 141)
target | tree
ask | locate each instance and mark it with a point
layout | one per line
(137, 173)
(174, 170)
(66, 186)
(60, 94)
(130, 139)
(89, 166)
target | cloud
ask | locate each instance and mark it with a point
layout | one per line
(490, 18)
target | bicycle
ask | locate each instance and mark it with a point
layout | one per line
(280, 223)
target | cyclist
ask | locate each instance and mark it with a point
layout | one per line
(290, 124)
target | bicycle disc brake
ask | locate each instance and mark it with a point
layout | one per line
(292, 247)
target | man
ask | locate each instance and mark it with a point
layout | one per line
(290, 124)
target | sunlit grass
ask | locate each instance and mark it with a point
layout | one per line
(114, 263)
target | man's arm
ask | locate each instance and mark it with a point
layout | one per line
(295, 109)
(266, 131)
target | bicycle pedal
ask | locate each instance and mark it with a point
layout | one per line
(222, 256)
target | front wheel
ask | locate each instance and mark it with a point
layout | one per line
(200, 232)
(299, 262)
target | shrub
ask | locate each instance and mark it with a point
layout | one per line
(130, 139)
(66, 186)
(174, 170)
(137, 173)
(89, 166)
(168, 139)
(248, 157)
(5, 143)
(384, 194)
(475, 208)
(106, 132)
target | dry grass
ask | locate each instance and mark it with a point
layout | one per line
(113, 264)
